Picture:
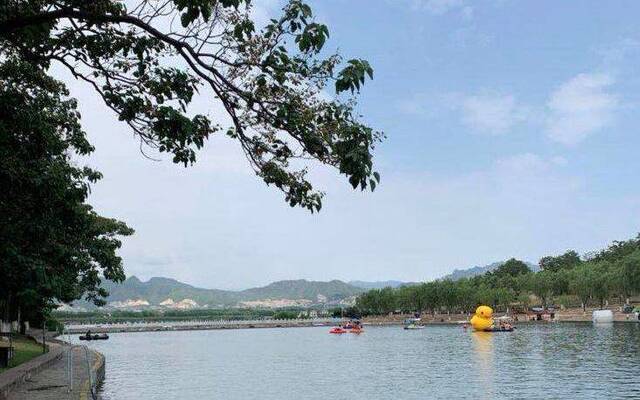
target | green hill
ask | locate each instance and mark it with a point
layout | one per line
(156, 290)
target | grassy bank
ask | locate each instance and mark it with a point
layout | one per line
(24, 350)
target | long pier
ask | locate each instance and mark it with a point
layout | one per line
(152, 326)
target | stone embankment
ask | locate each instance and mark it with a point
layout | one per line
(64, 372)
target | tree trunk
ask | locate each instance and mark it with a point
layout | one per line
(6, 315)
(21, 325)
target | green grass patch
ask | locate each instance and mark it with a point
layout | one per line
(24, 350)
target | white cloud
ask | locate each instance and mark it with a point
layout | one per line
(524, 163)
(492, 114)
(523, 205)
(441, 7)
(263, 11)
(581, 106)
(467, 13)
(486, 113)
(578, 108)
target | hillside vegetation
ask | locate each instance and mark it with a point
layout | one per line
(157, 290)
(612, 274)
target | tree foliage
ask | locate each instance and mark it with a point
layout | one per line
(614, 273)
(511, 267)
(565, 261)
(148, 61)
(54, 247)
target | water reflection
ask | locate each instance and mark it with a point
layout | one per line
(483, 354)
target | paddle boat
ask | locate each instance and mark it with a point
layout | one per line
(482, 321)
(413, 326)
(96, 336)
(103, 336)
(500, 329)
(349, 327)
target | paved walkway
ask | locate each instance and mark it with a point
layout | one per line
(52, 382)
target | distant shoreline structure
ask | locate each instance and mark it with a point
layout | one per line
(570, 315)
(198, 325)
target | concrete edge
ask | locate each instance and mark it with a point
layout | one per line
(99, 370)
(16, 376)
(89, 388)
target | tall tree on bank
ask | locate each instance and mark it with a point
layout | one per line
(53, 246)
(566, 261)
(512, 267)
(147, 62)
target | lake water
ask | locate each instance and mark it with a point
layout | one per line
(551, 361)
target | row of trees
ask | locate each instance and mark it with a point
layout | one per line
(568, 279)
(147, 60)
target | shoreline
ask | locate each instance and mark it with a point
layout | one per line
(394, 320)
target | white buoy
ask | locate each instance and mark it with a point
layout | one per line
(602, 317)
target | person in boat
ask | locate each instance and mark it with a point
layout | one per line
(505, 326)
(88, 334)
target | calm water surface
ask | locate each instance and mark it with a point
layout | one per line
(553, 361)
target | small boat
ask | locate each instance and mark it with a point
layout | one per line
(337, 330)
(103, 336)
(411, 321)
(413, 326)
(499, 330)
(353, 326)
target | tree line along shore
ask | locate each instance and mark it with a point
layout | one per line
(609, 276)
(570, 283)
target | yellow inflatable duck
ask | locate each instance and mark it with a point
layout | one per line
(482, 320)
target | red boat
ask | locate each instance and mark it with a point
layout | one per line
(337, 330)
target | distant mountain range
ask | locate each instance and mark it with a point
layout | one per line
(474, 271)
(166, 292)
(155, 291)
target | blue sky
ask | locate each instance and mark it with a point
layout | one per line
(512, 132)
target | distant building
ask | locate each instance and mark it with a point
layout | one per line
(167, 303)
